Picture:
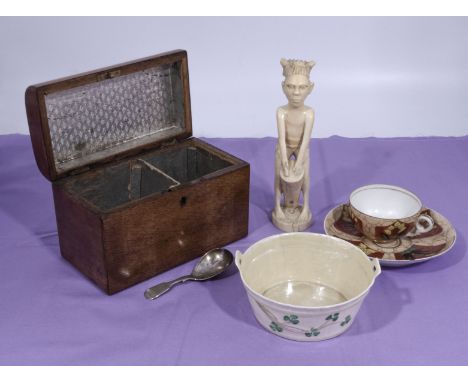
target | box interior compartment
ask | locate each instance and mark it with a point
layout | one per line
(115, 185)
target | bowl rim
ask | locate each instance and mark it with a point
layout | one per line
(386, 186)
(304, 307)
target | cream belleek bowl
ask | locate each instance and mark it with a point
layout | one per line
(306, 286)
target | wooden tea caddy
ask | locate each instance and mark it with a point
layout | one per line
(134, 193)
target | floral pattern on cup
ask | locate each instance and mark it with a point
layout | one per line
(393, 231)
(383, 221)
(396, 228)
(379, 229)
(438, 240)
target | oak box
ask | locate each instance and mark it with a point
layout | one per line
(134, 193)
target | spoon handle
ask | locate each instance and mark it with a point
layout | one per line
(160, 289)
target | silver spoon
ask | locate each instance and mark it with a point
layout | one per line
(211, 264)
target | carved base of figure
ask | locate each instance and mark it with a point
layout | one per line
(292, 219)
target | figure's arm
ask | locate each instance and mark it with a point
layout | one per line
(281, 124)
(309, 123)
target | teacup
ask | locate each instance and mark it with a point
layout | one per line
(385, 213)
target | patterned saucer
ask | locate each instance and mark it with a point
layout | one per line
(409, 250)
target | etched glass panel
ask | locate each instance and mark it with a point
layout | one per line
(92, 121)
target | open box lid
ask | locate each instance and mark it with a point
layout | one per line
(107, 114)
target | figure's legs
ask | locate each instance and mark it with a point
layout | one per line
(278, 210)
(305, 189)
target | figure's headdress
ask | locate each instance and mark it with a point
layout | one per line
(300, 67)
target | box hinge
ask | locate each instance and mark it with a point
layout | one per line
(169, 143)
(79, 170)
(108, 75)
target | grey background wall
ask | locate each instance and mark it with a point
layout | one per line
(379, 76)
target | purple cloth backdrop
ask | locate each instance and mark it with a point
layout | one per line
(51, 315)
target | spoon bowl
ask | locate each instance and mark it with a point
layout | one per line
(211, 264)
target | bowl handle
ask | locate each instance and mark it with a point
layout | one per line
(375, 266)
(238, 259)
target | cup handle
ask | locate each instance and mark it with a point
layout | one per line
(237, 259)
(420, 228)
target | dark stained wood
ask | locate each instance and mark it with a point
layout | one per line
(158, 234)
(97, 75)
(187, 101)
(119, 237)
(139, 239)
(37, 113)
(36, 132)
(80, 236)
(113, 178)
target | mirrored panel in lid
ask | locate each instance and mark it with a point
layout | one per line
(93, 121)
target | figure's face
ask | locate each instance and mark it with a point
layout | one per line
(297, 88)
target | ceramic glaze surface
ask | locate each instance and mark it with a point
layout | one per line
(388, 202)
(295, 281)
(410, 250)
(307, 293)
(386, 213)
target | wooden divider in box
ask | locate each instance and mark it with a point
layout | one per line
(134, 195)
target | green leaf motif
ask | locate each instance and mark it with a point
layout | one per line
(333, 317)
(275, 327)
(313, 332)
(346, 320)
(292, 318)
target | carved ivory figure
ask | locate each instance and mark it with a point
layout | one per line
(294, 121)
